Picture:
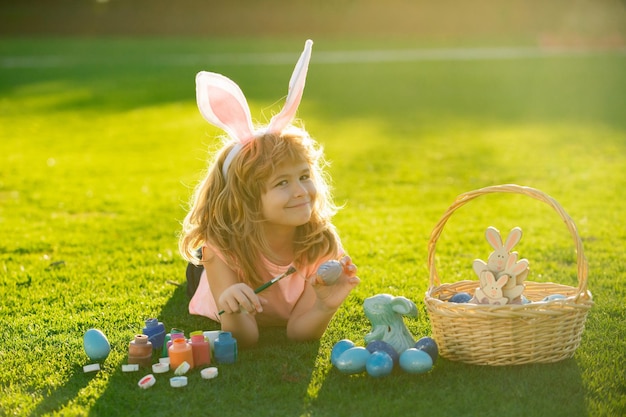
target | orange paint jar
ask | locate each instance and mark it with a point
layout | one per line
(179, 352)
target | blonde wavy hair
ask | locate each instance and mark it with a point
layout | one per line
(226, 213)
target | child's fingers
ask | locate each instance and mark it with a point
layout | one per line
(348, 267)
(249, 302)
(345, 261)
(241, 297)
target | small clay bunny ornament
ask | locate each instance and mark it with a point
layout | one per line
(385, 312)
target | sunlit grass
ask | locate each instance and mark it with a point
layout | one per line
(97, 165)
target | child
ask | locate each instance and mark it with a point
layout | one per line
(264, 206)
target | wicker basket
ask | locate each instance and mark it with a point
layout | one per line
(538, 332)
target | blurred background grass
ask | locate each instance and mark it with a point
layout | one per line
(560, 22)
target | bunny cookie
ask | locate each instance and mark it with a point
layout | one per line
(490, 291)
(503, 264)
(498, 258)
(515, 272)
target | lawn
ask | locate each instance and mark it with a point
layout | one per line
(101, 145)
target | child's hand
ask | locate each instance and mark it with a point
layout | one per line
(331, 296)
(348, 267)
(239, 298)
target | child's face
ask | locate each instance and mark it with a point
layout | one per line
(290, 192)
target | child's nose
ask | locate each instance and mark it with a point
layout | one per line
(299, 190)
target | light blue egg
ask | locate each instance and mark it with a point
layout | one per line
(415, 361)
(379, 364)
(96, 345)
(353, 360)
(340, 347)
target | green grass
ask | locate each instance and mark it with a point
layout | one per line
(98, 157)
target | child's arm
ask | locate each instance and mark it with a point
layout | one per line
(233, 297)
(318, 304)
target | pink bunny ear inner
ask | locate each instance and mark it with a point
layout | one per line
(510, 262)
(515, 235)
(520, 266)
(222, 103)
(493, 237)
(296, 89)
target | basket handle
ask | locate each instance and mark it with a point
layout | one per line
(464, 198)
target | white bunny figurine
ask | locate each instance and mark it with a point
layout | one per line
(503, 264)
(515, 272)
(498, 258)
(490, 291)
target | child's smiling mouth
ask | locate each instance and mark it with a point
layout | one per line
(299, 205)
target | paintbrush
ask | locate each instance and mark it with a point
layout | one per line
(273, 281)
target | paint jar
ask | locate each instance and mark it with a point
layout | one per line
(155, 330)
(166, 344)
(225, 348)
(200, 348)
(140, 351)
(175, 334)
(211, 336)
(180, 351)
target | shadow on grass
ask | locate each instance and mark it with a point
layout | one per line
(60, 398)
(269, 379)
(455, 389)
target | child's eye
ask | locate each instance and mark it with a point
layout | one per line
(281, 183)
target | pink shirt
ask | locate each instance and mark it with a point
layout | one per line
(281, 297)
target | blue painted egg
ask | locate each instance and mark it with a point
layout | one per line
(460, 297)
(96, 345)
(428, 345)
(379, 364)
(340, 347)
(380, 346)
(415, 361)
(353, 360)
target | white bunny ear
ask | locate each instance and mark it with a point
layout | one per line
(520, 266)
(501, 282)
(493, 237)
(486, 278)
(296, 88)
(510, 262)
(222, 103)
(514, 237)
(479, 266)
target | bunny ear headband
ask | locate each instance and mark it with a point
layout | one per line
(222, 103)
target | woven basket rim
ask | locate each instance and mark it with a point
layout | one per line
(581, 291)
